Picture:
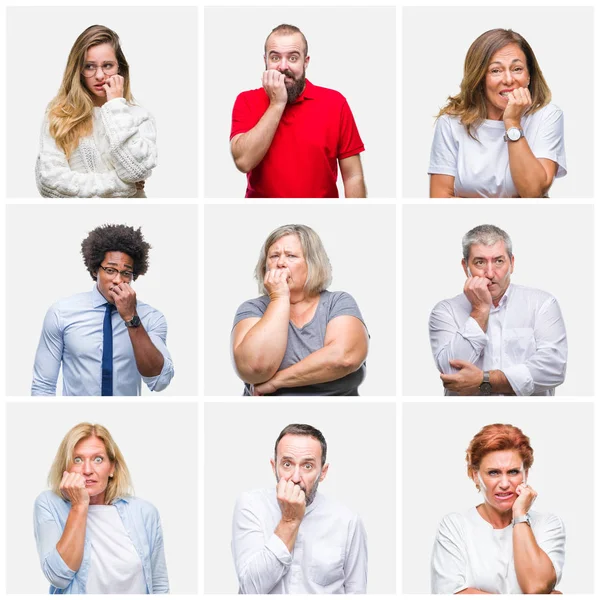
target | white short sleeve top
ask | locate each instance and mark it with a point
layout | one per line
(480, 167)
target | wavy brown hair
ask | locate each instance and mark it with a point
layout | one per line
(470, 104)
(70, 113)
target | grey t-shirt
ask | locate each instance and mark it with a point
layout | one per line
(303, 341)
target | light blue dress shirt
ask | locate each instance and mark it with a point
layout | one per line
(141, 521)
(72, 334)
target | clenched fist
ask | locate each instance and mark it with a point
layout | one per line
(113, 87)
(73, 489)
(276, 283)
(274, 83)
(526, 497)
(292, 501)
(519, 100)
(123, 295)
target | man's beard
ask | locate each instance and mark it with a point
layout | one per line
(308, 498)
(296, 87)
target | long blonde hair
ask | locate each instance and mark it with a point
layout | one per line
(119, 485)
(470, 105)
(70, 113)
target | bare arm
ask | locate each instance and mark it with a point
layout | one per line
(441, 186)
(353, 177)
(472, 591)
(344, 351)
(148, 358)
(258, 345)
(249, 148)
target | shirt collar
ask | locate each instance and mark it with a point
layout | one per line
(505, 297)
(97, 298)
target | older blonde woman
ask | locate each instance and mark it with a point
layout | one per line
(501, 546)
(499, 137)
(95, 141)
(298, 338)
(92, 535)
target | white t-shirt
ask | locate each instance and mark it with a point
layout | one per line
(115, 566)
(469, 552)
(481, 168)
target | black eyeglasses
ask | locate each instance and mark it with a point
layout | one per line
(128, 275)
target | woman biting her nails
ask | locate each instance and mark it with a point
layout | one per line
(499, 137)
(500, 546)
(92, 535)
(95, 141)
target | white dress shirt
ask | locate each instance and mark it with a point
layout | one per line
(329, 556)
(73, 335)
(525, 339)
(469, 553)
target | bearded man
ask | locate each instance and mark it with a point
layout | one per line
(289, 135)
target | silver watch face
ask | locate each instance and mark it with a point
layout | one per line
(513, 134)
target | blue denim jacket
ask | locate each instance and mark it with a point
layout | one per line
(141, 521)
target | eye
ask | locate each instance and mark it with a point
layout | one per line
(286, 464)
(519, 69)
(308, 467)
(128, 274)
(293, 58)
(108, 65)
(77, 460)
(274, 58)
(110, 271)
(500, 261)
(98, 460)
(495, 71)
(514, 472)
(493, 472)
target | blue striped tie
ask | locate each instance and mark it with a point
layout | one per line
(107, 352)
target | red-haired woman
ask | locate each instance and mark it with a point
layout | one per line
(500, 546)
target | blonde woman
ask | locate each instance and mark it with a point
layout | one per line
(95, 141)
(499, 137)
(92, 535)
(298, 339)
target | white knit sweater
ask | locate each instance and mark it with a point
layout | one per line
(106, 164)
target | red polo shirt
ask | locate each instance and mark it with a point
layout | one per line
(314, 133)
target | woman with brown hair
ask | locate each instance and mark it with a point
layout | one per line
(95, 141)
(93, 536)
(501, 546)
(499, 137)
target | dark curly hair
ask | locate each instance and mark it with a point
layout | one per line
(115, 238)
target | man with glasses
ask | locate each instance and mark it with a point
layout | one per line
(106, 340)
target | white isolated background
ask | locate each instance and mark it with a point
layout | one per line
(360, 242)
(361, 452)
(342, 44)
(435, 42)
(162, 460)
(553, 246)
(435, 481)
(160, 44)
(44, 264)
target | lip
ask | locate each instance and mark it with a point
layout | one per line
(504, 496)
(90, 482)
(507, 91)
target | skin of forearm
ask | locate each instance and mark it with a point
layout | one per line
(528, 174)
(482, 318)
(354, 187)
(287, 532)
(326, 364)
(250, 147)
(148, 358)
(472, 591)
(70, 545)
(534, 569)
(500, 384)
(261, 351)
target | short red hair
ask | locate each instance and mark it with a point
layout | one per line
(498, 437)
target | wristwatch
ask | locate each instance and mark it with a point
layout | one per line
(135, 322)
(513, 134)
(485, 388)
(522, 519)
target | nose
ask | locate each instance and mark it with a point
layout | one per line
(505, 482)
(117, 278)
(296, 475)
(508, 78)
(87, 467)
(99, 75)
(489, 271)
(283, 64)
(282, 262)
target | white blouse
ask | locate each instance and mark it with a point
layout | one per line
(469, 553)
(120, 152)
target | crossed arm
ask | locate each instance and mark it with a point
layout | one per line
(259, 346)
